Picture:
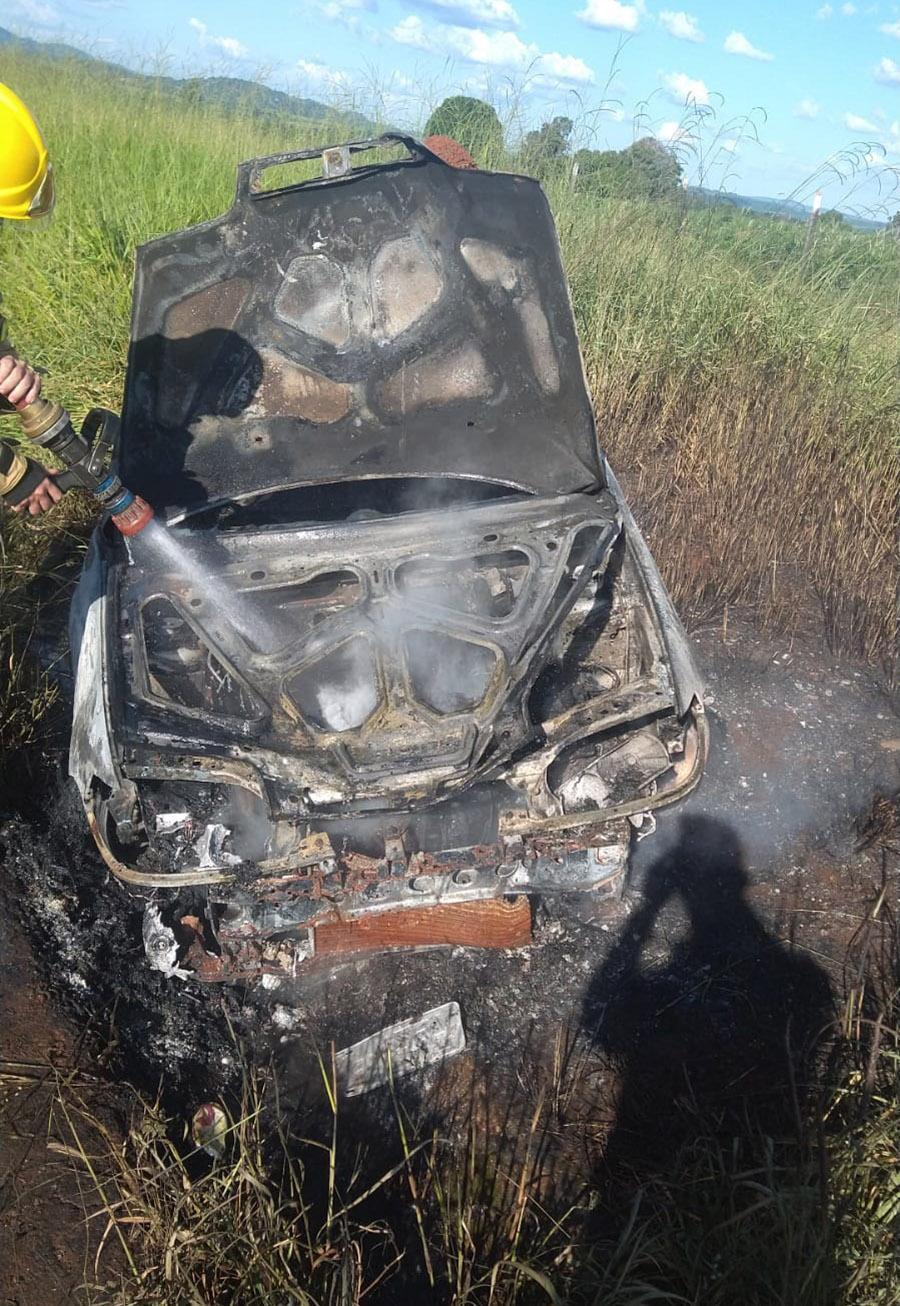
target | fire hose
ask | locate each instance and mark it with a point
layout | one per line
(86, 458)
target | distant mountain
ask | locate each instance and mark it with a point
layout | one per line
(51, 49)
(231, 94)
(790, 209)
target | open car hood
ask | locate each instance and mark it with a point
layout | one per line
(403, 319)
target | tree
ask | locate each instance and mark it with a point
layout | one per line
(645, 170)
(472, 122)
(657, 172)
(548, 143)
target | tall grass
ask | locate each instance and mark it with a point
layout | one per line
(510, 1210)
(752, 396)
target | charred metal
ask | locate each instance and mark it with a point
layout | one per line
(436, 672)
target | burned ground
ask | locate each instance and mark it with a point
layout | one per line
(712, 985)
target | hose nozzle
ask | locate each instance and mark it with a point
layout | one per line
(86, 457)
(128, 512)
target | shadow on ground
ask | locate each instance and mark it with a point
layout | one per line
(724, 1033)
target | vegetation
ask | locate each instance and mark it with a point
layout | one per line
(546, 145)
(645, 170)
(471, 122)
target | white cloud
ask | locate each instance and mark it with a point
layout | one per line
(670, 132)
(319, 74)
(848, 10)
(495, 49)
(501, 48)
(338, 8)
(471, 13)
(729, 145)
(227, 44)
(888, 72)
(35, 11)
(890, 29)
(230, 46)
(347, 13)
(737, 43)
(563, 68)
(825, 12)
(681, 25)
(611, 15)
(857, 124)
(807, 109)
(682, 88)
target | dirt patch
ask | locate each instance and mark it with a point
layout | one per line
(44, 1245)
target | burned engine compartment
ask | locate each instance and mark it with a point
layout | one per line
(529, 780)
(397, 662)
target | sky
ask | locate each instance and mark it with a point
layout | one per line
(766, 97)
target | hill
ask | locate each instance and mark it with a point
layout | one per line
(229, 94)
(792, 210)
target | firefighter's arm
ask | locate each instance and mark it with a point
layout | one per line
(24, 484)
(20, 384)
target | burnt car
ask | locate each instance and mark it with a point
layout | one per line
(396, 658)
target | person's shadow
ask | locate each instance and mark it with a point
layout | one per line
(712, 1022)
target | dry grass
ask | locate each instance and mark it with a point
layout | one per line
(752, 403)
(748, 499)
(35, 584)
(480, 1218)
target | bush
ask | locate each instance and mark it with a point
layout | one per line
(471, 122)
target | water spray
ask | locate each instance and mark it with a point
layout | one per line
(86, 458)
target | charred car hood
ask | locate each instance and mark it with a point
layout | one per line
(406, 319)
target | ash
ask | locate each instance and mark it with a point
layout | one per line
(161, 1035)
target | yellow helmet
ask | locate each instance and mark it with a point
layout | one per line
(26, 177)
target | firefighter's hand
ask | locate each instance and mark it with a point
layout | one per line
(41, 498)
(19, 383)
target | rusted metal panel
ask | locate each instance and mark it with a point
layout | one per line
(501, 923)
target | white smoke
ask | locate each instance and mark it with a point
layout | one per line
(345, 709)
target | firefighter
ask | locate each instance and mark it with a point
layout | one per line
(26, 193)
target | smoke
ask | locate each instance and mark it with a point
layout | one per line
(416, 629)
(246, 822)
(794, 757)
(346, 706)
